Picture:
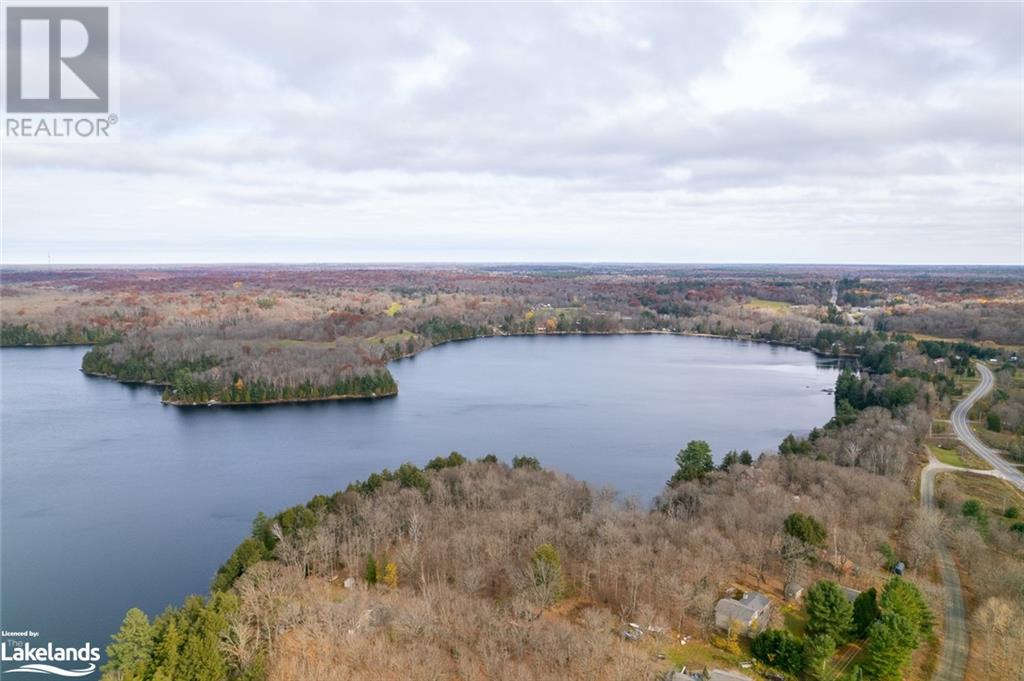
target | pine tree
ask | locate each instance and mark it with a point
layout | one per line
(829, 612)
(168, 648)
(891, 641)
(903, 598)
(370, 573)
(130, 651)
(865, 612)
(694, 462)
(818, 652)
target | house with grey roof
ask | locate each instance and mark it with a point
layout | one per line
(747, 615)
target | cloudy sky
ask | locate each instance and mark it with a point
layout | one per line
(876, 132)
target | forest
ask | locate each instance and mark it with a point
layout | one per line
(242, 335)
(486, 570)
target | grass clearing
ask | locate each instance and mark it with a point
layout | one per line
(954, 457)
(1000, 440)
(392, 338)
(980, 343)
(292, 343)
(696, 655)
(994, 493)
(770, 305)
(794, 620)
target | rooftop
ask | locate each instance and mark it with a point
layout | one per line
(754, 600)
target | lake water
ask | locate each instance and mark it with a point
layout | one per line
(111, 500)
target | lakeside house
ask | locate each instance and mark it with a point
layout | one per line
(748, 615)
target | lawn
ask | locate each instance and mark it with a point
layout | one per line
(795, 621)
(984, 343)
(953, 457)
(293, 343)
(696, 655)
(393, 338)
(771, 305)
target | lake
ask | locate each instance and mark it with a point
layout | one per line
(111, 500)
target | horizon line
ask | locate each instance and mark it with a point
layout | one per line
(449, 263)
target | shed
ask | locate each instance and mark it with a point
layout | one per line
(794, 591)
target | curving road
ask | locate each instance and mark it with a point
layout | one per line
(955, 640)
(963, 431)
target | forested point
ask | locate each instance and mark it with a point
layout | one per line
(481, 570)
(14, 335)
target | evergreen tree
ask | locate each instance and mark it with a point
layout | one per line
(694, 462)
(204, 623)
(780, 649)
(805, 528)
(891, 641)
(731, 458)
(528, 462)
(370, 573)
(828, 611)
(865, 612)
(168, 648)
(903, 598)
(248, 553)
(818, 652)
(132, 645)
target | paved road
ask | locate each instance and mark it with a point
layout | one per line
(955, 642)
(967, 436)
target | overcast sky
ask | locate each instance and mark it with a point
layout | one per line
(877, 132)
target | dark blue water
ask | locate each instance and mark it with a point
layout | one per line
(111, 500)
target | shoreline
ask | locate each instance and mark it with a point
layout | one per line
(392, 394)
(296, 400)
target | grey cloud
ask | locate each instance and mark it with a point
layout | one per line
(582, 115)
